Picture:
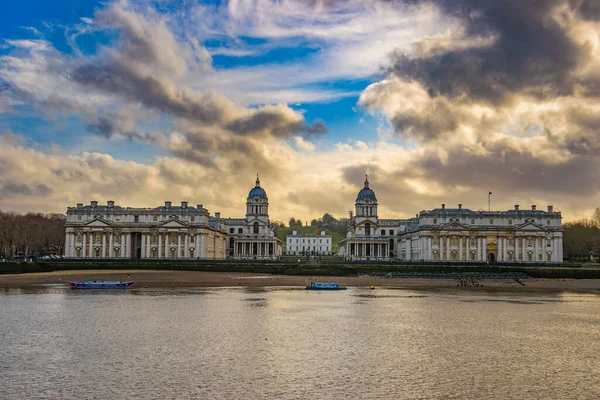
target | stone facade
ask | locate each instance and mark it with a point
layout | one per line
(454, 235)
(165, 232)
(308, 244)
(252, 237)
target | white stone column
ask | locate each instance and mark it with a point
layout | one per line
(128, 244)
(83, 247)
(110, 245)
(159, 248)
(123, 248)
(460, 248)
(524, 247)
(484, 248)
(560, 249)
(148, 245)
(448, 248)
(178, 245)
(143, 253)
(186, 241)
(167, 250)
(441, 247)
(103, 254)
(516, 250)
(479, 246)
(468, 249)
(537, 250)
(91, 244)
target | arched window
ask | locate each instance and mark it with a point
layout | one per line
(368, 229)
(256, 227)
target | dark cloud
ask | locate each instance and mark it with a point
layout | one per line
(533, 53)
(12, 188)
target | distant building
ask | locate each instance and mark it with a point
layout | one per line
(308, 244)
(171, 232)
(252, 237)
(164, 232)
(454, 234)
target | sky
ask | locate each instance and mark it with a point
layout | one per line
(438, 101)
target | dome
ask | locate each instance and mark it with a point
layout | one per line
(366, 193)
(257, 191)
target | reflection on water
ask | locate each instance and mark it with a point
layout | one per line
(267, 343)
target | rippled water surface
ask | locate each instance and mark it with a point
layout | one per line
(277, 343)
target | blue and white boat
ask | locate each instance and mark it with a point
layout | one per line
(324, 286)
(100, 285)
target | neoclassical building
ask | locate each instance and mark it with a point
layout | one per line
(297, 244)
(455, 234)
(252, 237)
(164, 232)
(171, 232)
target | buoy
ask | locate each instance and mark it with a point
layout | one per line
(371, 287)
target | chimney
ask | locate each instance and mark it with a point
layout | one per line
(184, 204)
(167, 204)
(110, 203)
(79, 205)
(443, 206)
(200, 207)
(550, 209)
(516, 207)
(94, 203)
(460, 206)
(218, 215)
(294, 233)
(533, 207)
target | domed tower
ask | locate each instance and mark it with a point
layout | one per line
(366, 204)
(257, 204)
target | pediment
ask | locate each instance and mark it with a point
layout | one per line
(454, 226)
(529, 226)
(98, 222)
(172, 223)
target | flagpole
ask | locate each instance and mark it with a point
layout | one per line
(489, 201)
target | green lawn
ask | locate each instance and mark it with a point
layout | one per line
(305, 230)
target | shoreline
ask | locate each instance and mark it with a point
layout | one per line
(162, 278)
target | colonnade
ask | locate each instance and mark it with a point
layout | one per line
(366, 249)
(254, 248)
(518, 247)
(151, 245)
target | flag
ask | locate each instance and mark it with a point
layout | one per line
(490, 193)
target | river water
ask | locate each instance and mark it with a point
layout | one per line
(285, 343)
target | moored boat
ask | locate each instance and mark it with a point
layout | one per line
(101, 285)
(325, 286)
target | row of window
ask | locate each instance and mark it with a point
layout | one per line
(510, 221)
(314, 240)
(136, 218)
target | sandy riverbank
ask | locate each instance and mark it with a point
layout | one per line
(220, 279)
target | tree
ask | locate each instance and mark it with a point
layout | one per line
(313, 222)
(292, 222)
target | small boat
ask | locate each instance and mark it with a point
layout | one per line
(325, 286)
(101, 285)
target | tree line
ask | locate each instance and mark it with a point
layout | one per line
(581, 238)
(31, 234)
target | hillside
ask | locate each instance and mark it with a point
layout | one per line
(304, 230)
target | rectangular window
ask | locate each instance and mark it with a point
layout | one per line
(435, 220)
(155, 218)
(510, 221)
(193, 218)
(231, 230)
(491, 222)
(391, 232)
(240, 230)
(472, 221)
(136, 218)
(79, 218)
(548, 222)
